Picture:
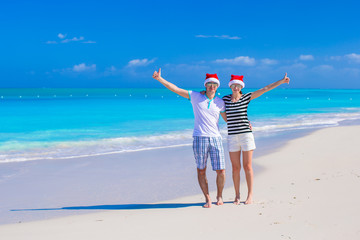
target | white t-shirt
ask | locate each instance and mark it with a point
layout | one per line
(206, 114)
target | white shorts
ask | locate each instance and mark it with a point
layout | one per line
(241, 142)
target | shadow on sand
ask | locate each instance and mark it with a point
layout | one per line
(119, 207)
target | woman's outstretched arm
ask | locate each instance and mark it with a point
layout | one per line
(269, 87)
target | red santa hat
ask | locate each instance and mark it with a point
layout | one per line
(212, 78)
(235, 79)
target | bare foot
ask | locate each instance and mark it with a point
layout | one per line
(249, 200)
(237, 201)
(219, 201)
(207, 204)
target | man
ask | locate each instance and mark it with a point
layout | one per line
(207, 138)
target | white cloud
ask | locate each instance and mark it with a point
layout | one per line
(61, 36)
(82, 67)
(89, 42)
(185, 67)
(51, 42)
(353, 57)
(323, 68)
(354, 72)
(268, 61)
(67, 40)
(74, 39)
(241, 60)
(140, 62)
(111, 71)
(306, 57)
(337, 58)
(219, 36)
(298, 66)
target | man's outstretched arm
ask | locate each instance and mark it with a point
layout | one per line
(170, 86)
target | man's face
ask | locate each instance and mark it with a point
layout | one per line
(211, 87)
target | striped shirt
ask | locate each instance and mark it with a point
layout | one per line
(236, 113)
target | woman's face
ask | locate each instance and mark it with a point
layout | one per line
(235, 87)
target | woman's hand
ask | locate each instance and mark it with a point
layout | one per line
(157, 75)
(285, 79)
(269, 87)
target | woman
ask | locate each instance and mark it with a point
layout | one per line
(240, 137)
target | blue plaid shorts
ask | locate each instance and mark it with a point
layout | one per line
(203, 146)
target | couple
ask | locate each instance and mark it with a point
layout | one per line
(207, 138)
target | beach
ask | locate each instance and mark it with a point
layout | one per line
(305, 189)
(104, 107)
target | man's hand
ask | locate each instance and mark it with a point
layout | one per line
(157, 75)
(285, 79)
(170, 86)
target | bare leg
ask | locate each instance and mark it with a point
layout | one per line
(220, 182)
(236, 166)
(247, 159)
(204, 186)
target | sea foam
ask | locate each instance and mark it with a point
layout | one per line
(22, 151)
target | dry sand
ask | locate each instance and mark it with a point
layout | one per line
(309, 190)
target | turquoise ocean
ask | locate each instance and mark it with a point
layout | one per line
(67, 123)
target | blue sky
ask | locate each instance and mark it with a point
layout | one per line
(120, 43)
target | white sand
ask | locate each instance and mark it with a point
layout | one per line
(309, 190)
